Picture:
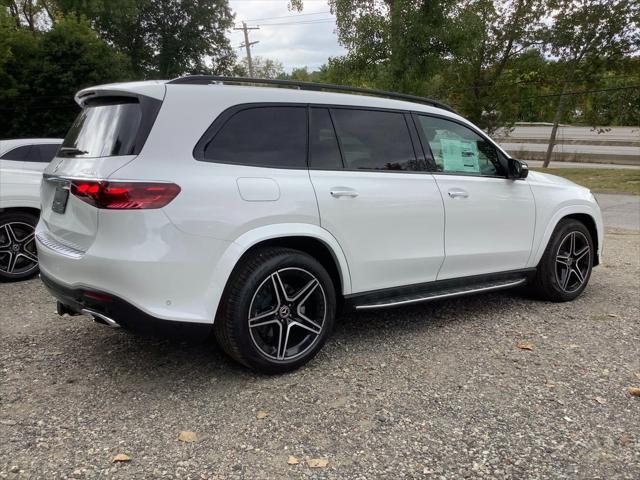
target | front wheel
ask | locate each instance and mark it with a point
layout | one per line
(565, 267)
(18, 255)
(277, 311)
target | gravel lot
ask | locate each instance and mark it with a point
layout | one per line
(435, 391)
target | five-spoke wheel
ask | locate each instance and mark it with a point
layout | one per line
(277, 311)
(287, 313)
(573, 261)
(18, 255)
(565, 267)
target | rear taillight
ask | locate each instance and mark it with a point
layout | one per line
(124, 195)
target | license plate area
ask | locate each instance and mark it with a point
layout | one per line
(60, 198)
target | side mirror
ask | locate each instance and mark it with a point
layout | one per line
(518, 169)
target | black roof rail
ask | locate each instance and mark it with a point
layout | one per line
(207, 79)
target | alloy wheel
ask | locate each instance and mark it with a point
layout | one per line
(18, 255)
(287, 314)
(573, 261)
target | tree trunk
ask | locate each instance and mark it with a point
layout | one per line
(554, 130)
(562, 103)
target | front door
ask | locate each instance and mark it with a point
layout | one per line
(489, 218)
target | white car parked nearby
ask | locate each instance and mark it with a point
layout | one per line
(21, 165)
(255, 212)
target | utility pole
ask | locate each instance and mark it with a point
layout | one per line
(247, 45)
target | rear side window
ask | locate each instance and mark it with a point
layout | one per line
(374, 140)
(111, 126)
(324, 152)
(263, 137)
(25, 153)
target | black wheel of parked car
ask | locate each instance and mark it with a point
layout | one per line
(277, 311)
(18, 255)
(565, 267)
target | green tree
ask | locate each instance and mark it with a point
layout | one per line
(585, 36)
(262, 68)
(163, 38)
(45, 70)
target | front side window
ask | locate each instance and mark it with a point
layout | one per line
(263, 137)
(374, 140)
(458, 149)
(105, 128)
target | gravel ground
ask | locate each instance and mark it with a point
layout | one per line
(435, 391)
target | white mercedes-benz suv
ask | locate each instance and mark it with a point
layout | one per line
(227, 206)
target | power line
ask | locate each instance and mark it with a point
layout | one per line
(308, 22)
(288, 16)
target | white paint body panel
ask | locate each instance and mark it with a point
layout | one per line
(555, 199)
(488, 230)
(391, 232)
(400, 229)
(19, 188)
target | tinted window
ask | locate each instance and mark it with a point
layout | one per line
(25, 153)
(374, 140)
(458, 149)
(105, 129)
(47, 152)
(262, 136)
(324, 151)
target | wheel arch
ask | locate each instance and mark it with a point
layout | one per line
(30, 210)
(583, 214)
(313, 247)
(590, 223)
(311, 239)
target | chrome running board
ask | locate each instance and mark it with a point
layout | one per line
(437, 295)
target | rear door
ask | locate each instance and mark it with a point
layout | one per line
(375, 196)
(490, 219)
(107, 134)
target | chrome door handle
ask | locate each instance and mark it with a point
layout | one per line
(344, 193)
(458, 193)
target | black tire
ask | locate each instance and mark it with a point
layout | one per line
(251, 295)
(18, 255)
(559, 277)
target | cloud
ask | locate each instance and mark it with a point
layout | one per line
(296, 39)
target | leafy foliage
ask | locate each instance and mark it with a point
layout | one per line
(50, 49)
(163, 38)
(45, 70)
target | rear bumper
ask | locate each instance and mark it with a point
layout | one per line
(123, 313)
(142, 259)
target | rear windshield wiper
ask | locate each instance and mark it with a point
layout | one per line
(72, 151)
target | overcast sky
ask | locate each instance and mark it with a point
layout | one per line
(296, 39)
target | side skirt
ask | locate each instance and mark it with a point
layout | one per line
(439, 289)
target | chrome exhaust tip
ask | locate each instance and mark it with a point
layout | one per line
(62, 310)
(100, 318)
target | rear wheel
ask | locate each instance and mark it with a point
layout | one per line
(18, 255)
(277, 311)
(565, 267)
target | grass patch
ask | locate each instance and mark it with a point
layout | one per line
(601, 180)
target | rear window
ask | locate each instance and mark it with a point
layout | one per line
(109, 127)
(263, 137)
